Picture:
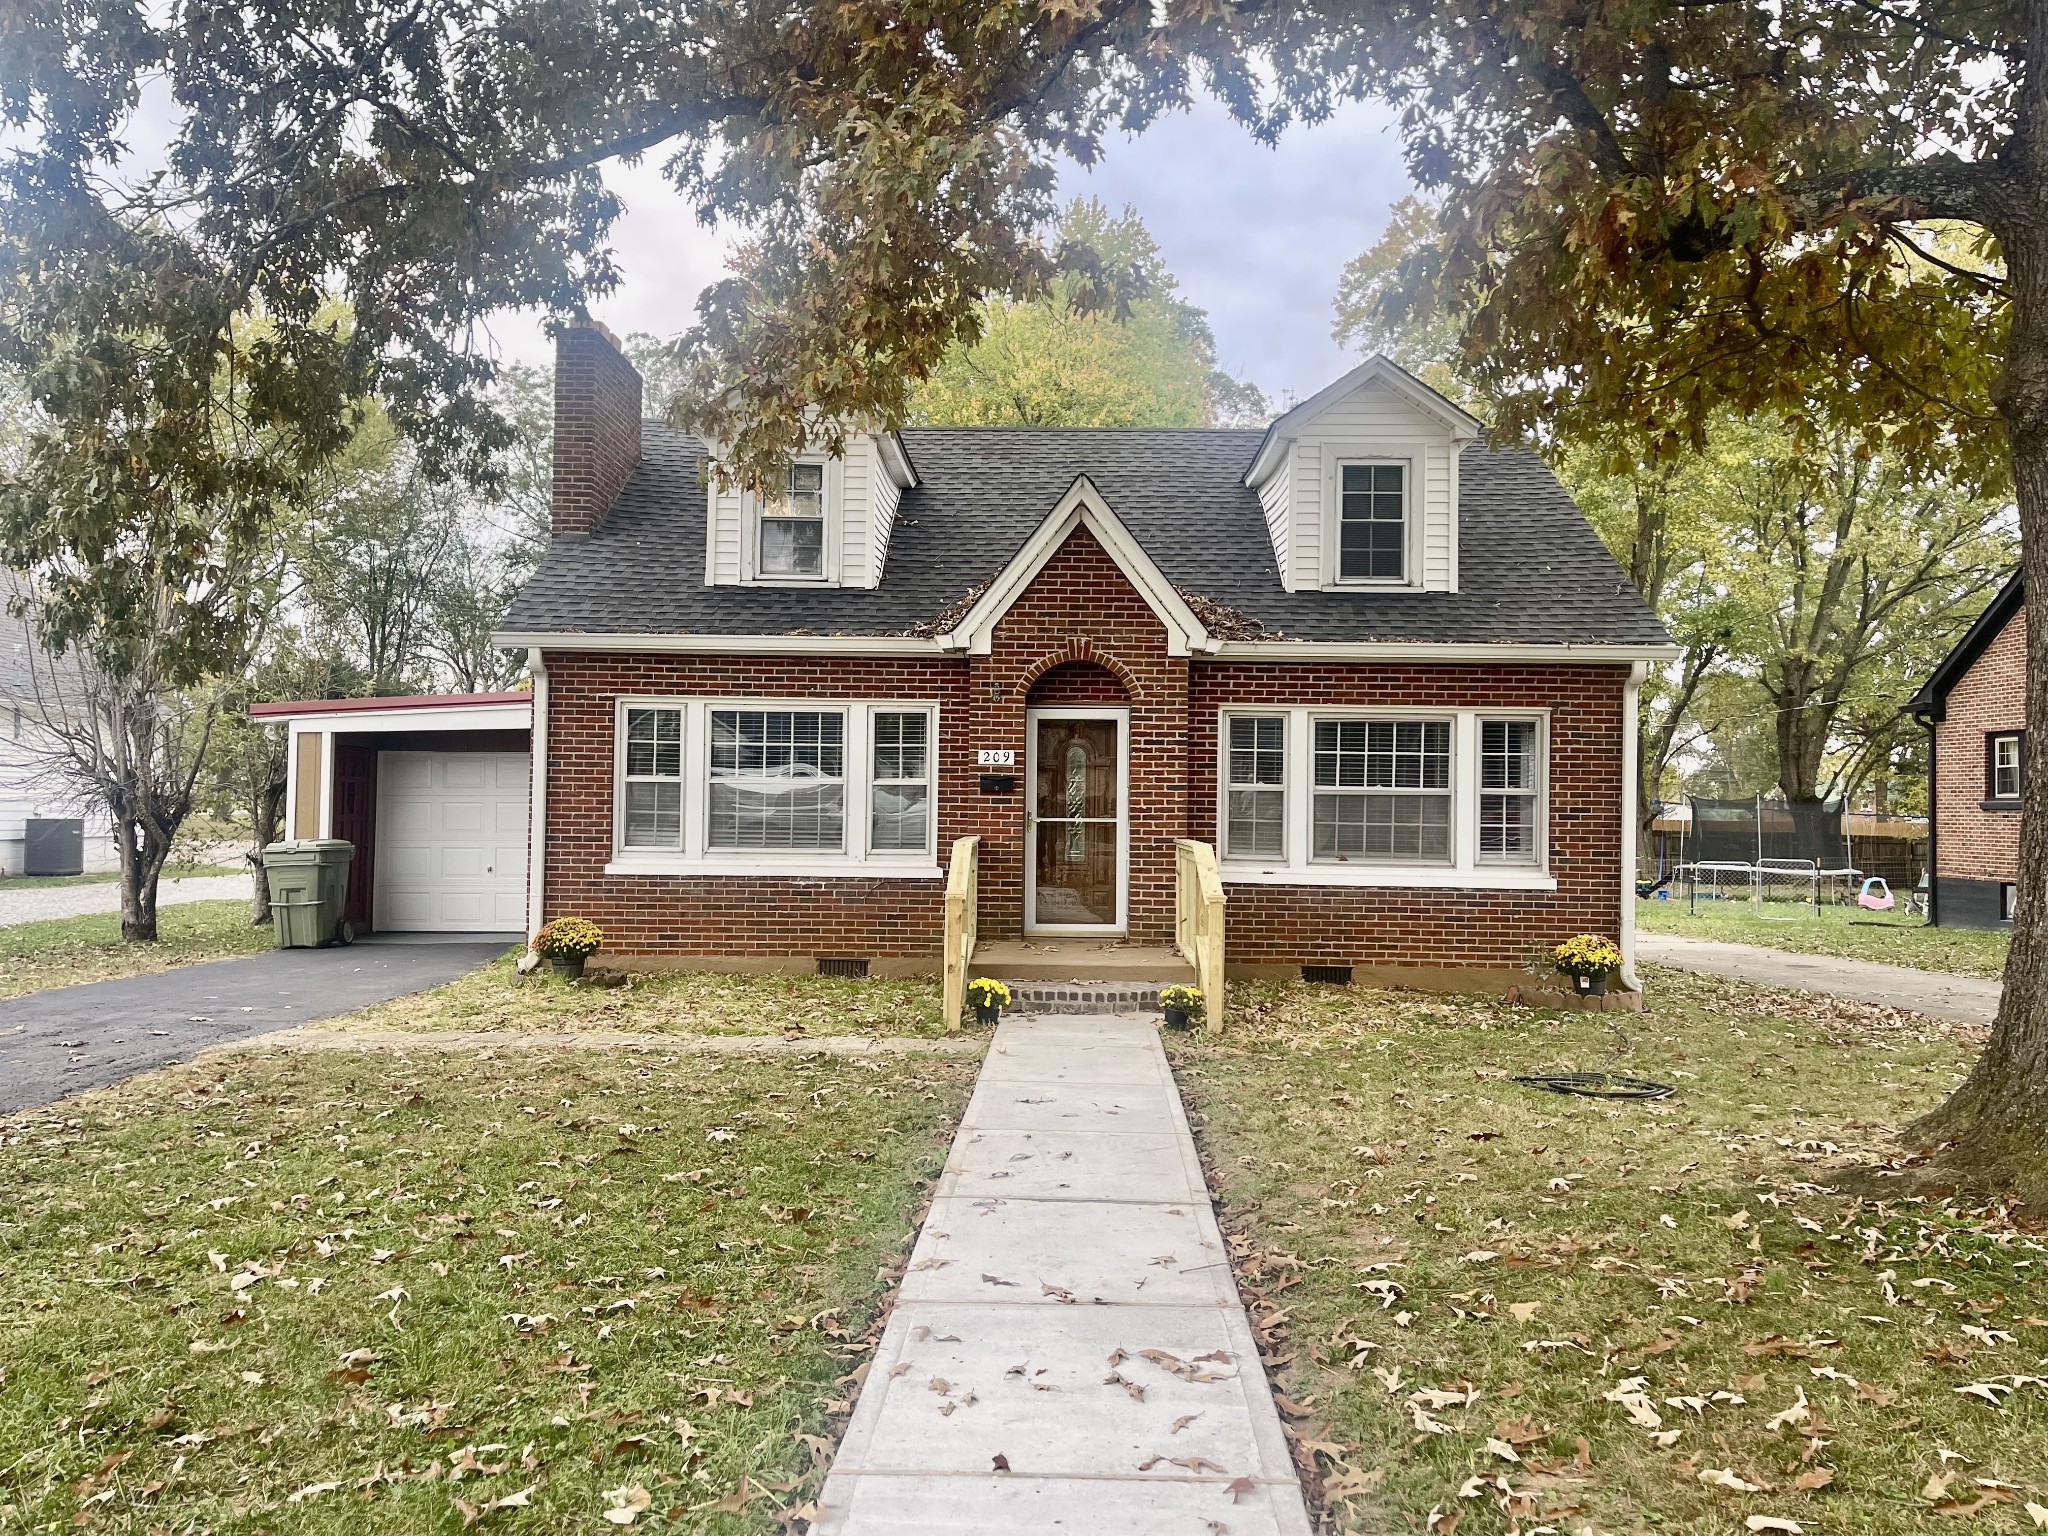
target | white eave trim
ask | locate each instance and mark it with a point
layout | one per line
(896, 460)
(1417, 650)
(724, 645)
(475, 717)
(1082, 507)
(1377, 369)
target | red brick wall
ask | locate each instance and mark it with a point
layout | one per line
(1451, 929)
(721, 915)
(1972, 843)
(1081, 635)
(597, 426)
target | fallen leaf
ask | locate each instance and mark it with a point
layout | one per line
(1774, 1523)
(1723, 1477)
(625, 1505)
(1814, 1480)
(1240, 1486)
(1524, 1311)
(1002, 1462)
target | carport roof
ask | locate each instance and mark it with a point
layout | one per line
(291, 709)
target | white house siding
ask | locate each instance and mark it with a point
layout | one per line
(887, 494)
(1273, 497)
(26, 794)
(861, 510)
(1370, 420)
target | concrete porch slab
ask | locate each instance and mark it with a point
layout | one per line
(1053, 959)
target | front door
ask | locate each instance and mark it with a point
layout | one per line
(1075, 831)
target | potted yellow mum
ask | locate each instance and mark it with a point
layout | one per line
(566, 943)
(1589, 960)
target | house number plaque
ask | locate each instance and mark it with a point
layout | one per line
(996, 757)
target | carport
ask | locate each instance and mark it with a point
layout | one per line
(436, 793)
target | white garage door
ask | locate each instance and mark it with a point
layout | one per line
(451, 842)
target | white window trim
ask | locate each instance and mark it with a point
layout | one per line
(1413, 457)
(695, 857)
(833, 556)
(1465, 871)
(2018, 768)
(620, 779)
(1539, 795)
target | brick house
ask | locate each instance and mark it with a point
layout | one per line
(1387, 671)
(1974, 706)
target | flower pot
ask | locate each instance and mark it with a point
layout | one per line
(1590, 986)
(987, 1013)
(570, 966)
(1176, 1018)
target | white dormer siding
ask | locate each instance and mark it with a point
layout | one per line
(1400, 441)
(861, 488)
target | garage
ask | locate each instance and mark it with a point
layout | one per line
(434, 791)
(451, 842)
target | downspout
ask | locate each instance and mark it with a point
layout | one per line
(537, 818)
(1631, 747)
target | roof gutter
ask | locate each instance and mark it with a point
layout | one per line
(723, 645)
(1422, 650)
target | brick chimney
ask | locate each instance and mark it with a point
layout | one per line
(597, 425)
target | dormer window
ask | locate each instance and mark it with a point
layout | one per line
(1372, 522)
(793, 528)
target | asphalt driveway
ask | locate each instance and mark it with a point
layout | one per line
(70, 1039)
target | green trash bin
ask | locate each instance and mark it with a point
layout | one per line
(308, 884)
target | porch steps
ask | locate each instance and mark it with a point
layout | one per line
(1051, 976)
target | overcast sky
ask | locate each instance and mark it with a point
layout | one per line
(1256, 236)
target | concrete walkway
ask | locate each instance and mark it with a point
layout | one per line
(40, 903)
(1068, 1353)
(1969, 999)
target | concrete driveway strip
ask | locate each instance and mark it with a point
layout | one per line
(1968, 999)
(69, 1039)
(1068, 1353)
(40, 903)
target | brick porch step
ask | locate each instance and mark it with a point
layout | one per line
(1081, 975)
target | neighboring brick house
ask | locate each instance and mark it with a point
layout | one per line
(1975, 709)
(1387, 670)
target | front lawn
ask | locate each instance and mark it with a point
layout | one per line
(68, 950)
(1849, 933)
(343, 1293)
(665, 1002)
(1503, 1309)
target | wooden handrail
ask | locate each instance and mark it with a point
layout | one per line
(1198, 922)
(963, 879)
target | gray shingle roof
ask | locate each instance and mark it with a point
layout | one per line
(1531, 569)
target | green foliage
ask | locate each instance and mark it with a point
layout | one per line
(1848, 933)
(1811, 586)
(1052, 362)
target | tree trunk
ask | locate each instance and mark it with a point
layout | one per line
(142, 863)
(266, 823)
(1993, 1129)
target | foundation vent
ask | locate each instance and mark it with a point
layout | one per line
(1335, 975)
(840, 966)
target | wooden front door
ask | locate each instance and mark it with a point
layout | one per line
(1077, 825)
